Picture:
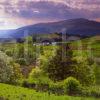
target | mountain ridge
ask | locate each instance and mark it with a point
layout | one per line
(80, 26)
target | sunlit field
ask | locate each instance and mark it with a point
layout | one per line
(8, 92)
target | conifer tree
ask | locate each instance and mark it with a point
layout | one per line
(62, 65)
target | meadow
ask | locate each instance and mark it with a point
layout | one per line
(9, 92)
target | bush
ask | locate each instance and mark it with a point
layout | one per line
(38, 76)
(27, 84)
(40, 79)
(41, 82)
(21, 61)
(72, 86)
(9, 52)
(85, 72)
(56, 88)
(9, 71)
(93, 91)
(16, 77)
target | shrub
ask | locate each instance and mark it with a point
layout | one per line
(16, 77)
(27, 84)
(21, 61)
(95, 93)
(40, 79)
(38, 76)
(56, 88)
(85, 72)
(9, 52)
(72, 86)
(91, 91)
(9, 71)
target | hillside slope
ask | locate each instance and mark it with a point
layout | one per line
(80, 26)
(8, 92)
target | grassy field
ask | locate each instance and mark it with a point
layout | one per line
(8, 92)
(89, 45)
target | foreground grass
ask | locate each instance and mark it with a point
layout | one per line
(9, 92)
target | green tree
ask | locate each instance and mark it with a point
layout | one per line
(72, 86)
(9, 71)
(62, 65)
(85, 72)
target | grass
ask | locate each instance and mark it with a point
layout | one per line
(92, 44)
(10, 92)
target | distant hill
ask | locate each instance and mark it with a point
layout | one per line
(82, 27)
(6, 33)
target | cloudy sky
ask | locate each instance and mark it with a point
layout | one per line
(17, 13)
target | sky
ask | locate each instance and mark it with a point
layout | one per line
(18, 13)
